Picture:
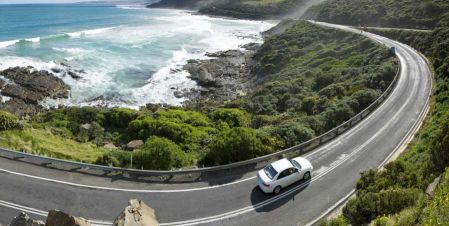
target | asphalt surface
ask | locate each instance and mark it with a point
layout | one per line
(337, 168)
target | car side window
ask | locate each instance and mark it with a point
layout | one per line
(293, 170)
(284, 173)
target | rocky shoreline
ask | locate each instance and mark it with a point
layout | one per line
(225, 76)
(23, 88)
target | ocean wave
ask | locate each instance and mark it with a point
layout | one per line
(53, 37)
(130, 7)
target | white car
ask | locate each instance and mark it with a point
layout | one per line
(282, 173)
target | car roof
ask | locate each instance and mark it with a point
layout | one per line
(281, 165)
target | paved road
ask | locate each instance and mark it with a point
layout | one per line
(337, 168)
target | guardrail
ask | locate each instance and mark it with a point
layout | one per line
(210, 174)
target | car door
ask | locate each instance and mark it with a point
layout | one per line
(283, 178)
(288, 177)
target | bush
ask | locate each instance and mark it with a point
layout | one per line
(8, 121)
(368, 205)
(119, 118)
(339, 221)
(160, 154)
(292, 133)
(238, 144)
(108, 159)
(233, 117)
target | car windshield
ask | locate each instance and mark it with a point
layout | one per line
(296, 164)
(270, 172)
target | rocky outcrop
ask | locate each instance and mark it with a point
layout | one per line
(24, 220)
(135, 144)
(26, 87)
(59, 218)
(137, 213)
(223, 77)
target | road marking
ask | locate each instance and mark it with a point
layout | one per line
(273, 199)
(400, 147)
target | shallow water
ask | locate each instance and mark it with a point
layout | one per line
(127, 56)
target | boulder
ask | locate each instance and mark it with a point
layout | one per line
(74, 75)
(110, 146)
(430, 191)
(24, 220)
(59, 218)
(135, 144)
(137, 213)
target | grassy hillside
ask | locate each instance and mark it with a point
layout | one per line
(244, 9)
(385, 13)
(308, 79)
(426, 158)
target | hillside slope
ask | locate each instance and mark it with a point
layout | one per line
(383, 13)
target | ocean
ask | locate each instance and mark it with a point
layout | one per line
(127, 56)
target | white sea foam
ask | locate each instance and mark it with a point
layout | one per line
(130, 7)
(83, 33)
(153, 51)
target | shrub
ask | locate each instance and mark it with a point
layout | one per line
(232, 116)
(119, 118)
(160, 154)
(108, 159)
(339, 221)
(292, 133)
(368, 205)
(238, 144)
(8, 121)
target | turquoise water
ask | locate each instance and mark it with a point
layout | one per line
(127, 56)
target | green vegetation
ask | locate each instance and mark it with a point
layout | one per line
(426, 158)
(251, 9)
(314, 79)
(244, 9)
(384, 13)
(8, 121)
(44, 142)
(311, 80)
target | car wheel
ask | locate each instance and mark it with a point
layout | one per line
(306, 176)
(277, 190)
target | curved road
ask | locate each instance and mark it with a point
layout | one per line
(337, 167)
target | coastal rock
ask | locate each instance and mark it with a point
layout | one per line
(153, 107)
(59, 218)
(29, 96)
(135, 144)
(19, 107)
(2, 83)
(27, 87)
(137, 213)
(24, 220)
(39, 81)
(220, 77)
(251, 46)
(74, 75)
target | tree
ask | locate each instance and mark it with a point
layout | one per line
(238, 144)
(232, 116)
(160, 154)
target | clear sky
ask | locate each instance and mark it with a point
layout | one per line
(37, 1)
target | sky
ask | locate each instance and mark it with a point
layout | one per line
(37, 1)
